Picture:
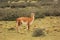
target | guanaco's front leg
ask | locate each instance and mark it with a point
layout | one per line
(28, 26)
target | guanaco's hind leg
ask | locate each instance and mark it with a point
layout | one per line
(18, 24)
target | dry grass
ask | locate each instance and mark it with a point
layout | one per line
(50, 24)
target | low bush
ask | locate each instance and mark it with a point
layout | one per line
(13, 13)
(38, 32)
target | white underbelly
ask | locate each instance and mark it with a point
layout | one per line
(24, 22)
(27, 22)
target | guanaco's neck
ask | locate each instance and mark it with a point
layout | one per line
(32, 16)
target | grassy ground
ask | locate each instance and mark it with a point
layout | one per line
(51, 24)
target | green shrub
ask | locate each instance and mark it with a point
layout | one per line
(39, 15)
(13, 13)
(19, 5)
(54, 13)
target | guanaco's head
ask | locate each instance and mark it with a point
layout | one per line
(32, 14)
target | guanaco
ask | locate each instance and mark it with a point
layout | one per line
(25, 20)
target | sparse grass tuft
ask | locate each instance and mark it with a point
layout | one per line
(11, 29)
